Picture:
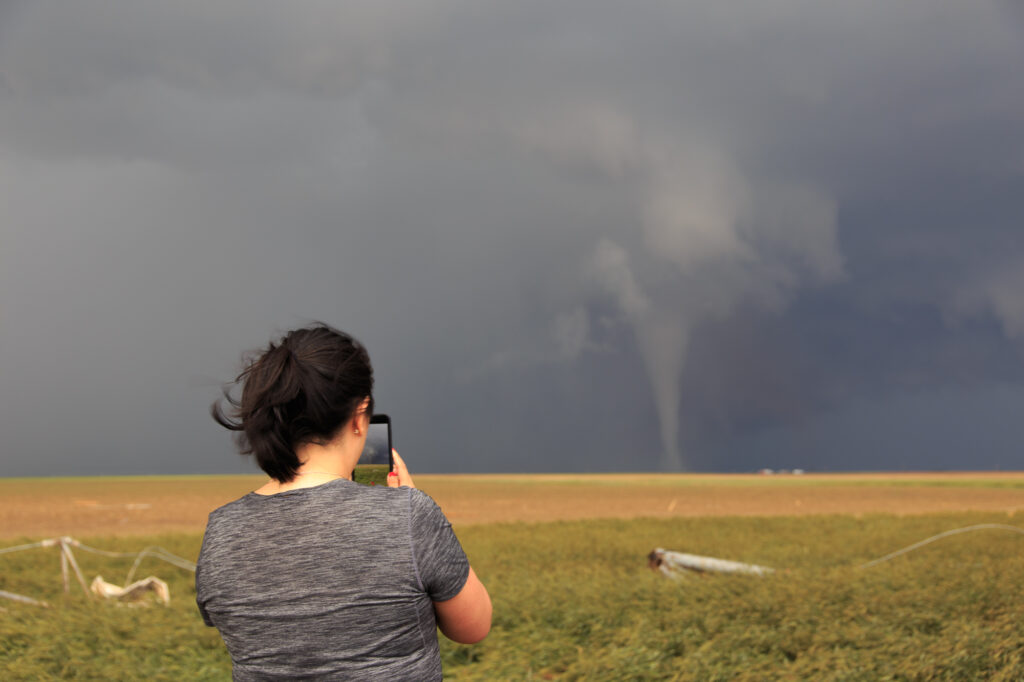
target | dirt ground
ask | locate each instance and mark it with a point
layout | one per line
(39, 508)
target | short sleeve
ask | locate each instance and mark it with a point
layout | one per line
(441, 564)
(199, 600)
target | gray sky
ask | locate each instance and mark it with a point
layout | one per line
(577, 236)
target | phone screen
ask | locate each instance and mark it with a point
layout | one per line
(375, 462)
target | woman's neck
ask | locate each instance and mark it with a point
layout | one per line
(304, 478)
(320, 463)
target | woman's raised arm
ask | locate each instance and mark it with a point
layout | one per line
(466, 617)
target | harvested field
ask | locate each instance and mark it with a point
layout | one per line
(124, 505)
(471, 499)
(143, 505)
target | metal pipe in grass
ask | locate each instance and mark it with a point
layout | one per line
(67, 560)
(946, 534)
(672, 564)
(24, 600)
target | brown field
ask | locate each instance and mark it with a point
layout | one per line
(36, 508)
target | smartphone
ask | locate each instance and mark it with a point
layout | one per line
(376, 460)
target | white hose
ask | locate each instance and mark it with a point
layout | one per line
(956, 531)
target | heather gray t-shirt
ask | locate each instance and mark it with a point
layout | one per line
(331, 582)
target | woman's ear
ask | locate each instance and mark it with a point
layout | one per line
(361, 419)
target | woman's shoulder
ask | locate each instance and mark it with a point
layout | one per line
(234, 506)
(424, 508)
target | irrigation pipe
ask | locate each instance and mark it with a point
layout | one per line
(672, 563)
(946, 534)
(22, 599)
(67, 559)
(153, 550)
(31, 545)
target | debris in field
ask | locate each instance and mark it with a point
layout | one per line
(946, 534)
(23, 600)
(135, 592)
(69, 566)
(673, 564)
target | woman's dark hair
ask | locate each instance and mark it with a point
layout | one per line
(300, 390)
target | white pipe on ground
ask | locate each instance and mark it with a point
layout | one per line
(672, 564)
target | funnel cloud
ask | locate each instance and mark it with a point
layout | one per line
(573, 236)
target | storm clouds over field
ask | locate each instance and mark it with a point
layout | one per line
(574, 236)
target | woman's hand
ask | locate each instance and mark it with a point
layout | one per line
(400, 476)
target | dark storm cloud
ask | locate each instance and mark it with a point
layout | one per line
(574, 236)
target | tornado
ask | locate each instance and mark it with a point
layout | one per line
(662, 338)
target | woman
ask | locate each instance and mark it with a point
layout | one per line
(313, 575)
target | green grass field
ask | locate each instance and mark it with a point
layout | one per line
(575, 600)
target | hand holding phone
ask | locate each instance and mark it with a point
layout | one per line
(399, 476)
